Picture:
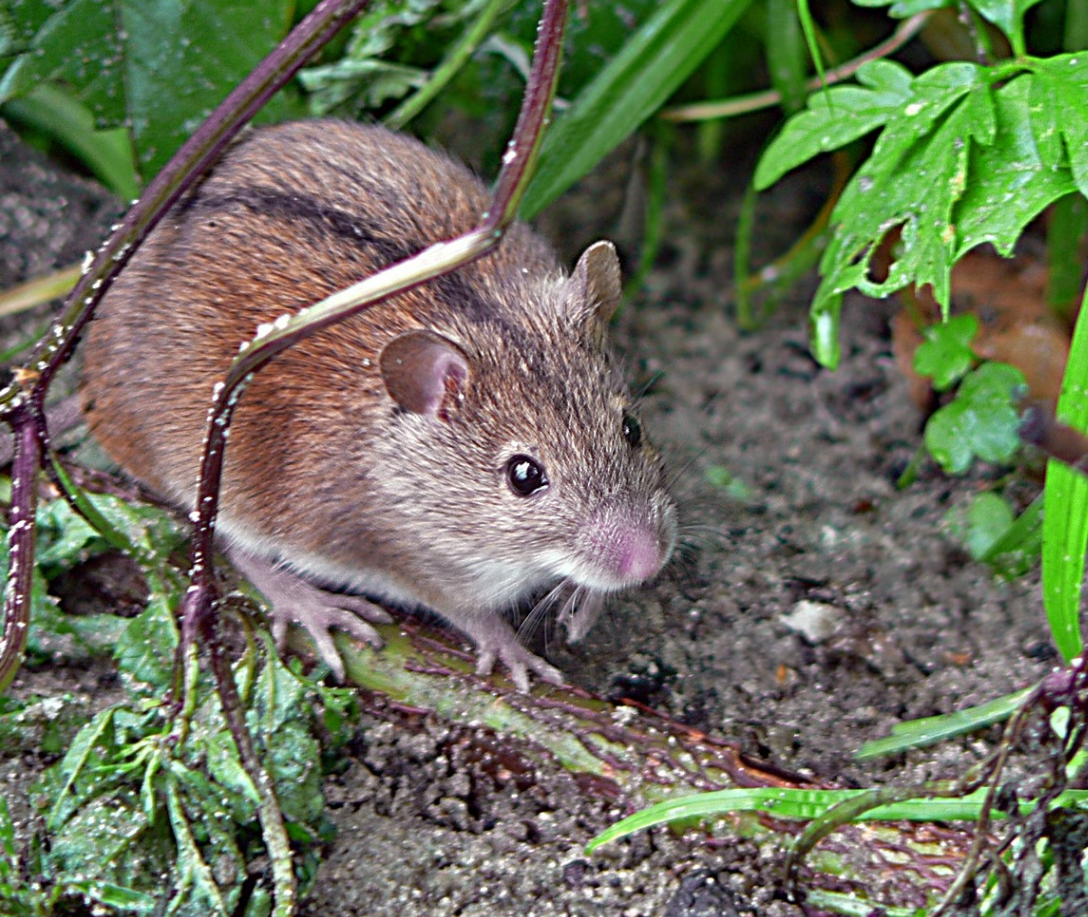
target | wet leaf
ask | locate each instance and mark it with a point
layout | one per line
(966, 155)
(982, 422)
(656, 58)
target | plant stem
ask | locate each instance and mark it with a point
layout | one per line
(742, 105)
(454, 60)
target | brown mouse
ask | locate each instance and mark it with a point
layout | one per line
(458, 447)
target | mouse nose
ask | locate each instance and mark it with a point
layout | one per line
(639, 555)
(629, 541)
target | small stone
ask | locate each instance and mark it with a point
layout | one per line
(815, 621)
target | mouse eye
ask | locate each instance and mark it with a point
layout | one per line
(632, 430)
(526, 475)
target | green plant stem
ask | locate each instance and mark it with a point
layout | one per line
(453, 61)
(40, 290)
(742, 105)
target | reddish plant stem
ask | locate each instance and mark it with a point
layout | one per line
(21, 401)
(439, 259)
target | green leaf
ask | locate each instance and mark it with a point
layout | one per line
(807, 805)
(1007, 15)
(787, 54)
(912, 181)
(55, 113)
(835, 117)
(145, 650)
(945, 355)
(987, 519)
(933, 729)
(1010, 183)
(982, 422)
(1016, 550)
(1058, 90)
(361, 73)
(156, 68)
(655, 60)
(1065, 520)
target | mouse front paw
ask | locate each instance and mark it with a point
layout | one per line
(295, 600)
(496, 641)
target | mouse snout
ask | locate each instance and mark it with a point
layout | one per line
(638, 555)
(627, 542)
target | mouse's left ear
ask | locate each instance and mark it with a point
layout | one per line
(425, 373)
(592, 293)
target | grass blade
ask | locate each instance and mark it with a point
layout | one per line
(1065, 520)
(658, 58)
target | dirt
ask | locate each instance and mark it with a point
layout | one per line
(811, 606)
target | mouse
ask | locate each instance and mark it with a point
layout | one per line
(459, 448)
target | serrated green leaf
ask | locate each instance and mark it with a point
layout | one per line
(982, 422)
(945, 355)
(1059, 87)
(1009, 182)
(912, 181)
(835, 117)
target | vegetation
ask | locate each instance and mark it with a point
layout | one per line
(967, 153)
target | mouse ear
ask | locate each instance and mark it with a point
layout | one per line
(423, 372)
(594, 290)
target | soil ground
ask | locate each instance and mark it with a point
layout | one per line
(810, 607)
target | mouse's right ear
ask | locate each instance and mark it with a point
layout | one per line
(594, 290)
(425, 373)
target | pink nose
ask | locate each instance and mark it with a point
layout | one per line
(638, 555)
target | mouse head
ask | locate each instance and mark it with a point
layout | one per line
(536, 434)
